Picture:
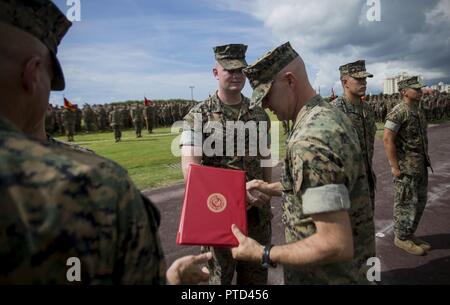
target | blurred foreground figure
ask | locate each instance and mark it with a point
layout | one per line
(59, 204)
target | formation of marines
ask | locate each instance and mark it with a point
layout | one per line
(435, 105)
(60, 120)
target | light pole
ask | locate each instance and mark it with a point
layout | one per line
(192, 92)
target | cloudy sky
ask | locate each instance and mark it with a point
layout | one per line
(125, 49)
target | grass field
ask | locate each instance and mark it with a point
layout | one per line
(149, 160)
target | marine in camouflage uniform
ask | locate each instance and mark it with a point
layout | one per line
(223, 266)
(59, 203)
(137, 116)
(50, 120)
(115, 119)
(102, 118)
(125, 117)
(149, 117)
(408, 125)
(89, 118)
(323, 174)
(69, 118)
(362, 117)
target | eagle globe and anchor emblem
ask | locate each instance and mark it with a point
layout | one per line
(216, 202)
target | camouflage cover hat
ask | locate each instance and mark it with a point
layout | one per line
(231, 56)
(412, 82)
(355, 69)
(262, 72)
(43, 20)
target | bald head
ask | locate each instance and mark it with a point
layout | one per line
(296, 67)
(290, 90)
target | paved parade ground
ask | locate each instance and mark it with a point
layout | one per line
(397, 266)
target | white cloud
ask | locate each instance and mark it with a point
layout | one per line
(162, 55)
(413, 36)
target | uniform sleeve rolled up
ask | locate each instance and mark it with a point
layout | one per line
(326, 198)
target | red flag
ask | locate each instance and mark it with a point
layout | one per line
(69, 105)
(147, 102)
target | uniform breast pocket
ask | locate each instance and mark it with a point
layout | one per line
(214, 129)
(413, 130)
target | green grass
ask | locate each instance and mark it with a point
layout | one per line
(148, 160)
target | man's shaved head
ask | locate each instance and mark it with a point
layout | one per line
(290, 90)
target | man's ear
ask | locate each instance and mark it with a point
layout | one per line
(30, 74)
(290, 77)
(215, 72)
(344, 81)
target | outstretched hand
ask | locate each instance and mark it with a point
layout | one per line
(189, 269)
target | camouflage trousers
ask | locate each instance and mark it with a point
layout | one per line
(70, 130)
(117, 132)
(90, 126)
(410, 197)
(222, 265)
(149, 125)
(138, 127)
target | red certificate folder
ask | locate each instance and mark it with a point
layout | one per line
(214, 199)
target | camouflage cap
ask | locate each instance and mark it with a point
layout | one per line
(43, 20)
(355, 69)
(231, 56)
(412, 82)
(262, 72)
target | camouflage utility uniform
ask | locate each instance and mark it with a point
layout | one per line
(115, 119)
(59, 203)
(410, 189)
(363, 121)
(69, 120)
(323, 159)
(222, 266)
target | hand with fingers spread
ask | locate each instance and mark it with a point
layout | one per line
(248, 249)
(189, 270)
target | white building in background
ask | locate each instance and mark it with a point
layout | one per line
(441, 87)
(390, 83)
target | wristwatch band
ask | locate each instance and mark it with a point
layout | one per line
(265, 260)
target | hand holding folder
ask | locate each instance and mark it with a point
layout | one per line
(215, 198)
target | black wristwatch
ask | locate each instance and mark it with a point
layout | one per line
(265, 260)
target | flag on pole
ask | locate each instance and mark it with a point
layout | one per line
(148, 102)
(69, 105)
